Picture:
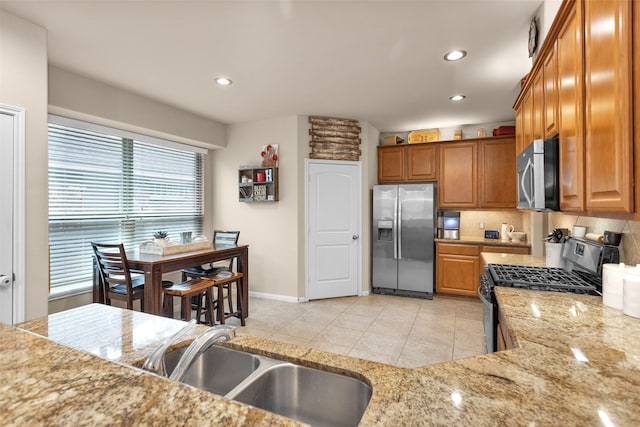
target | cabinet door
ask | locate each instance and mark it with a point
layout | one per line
(538, 105)
(551, 93)
(391, 164)
(570, 112)
(457, 274)
(519, 130)
(498, 188)
(608, 115)
(527, 115)
(458, 186)
(422, 162)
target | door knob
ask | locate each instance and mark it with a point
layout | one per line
(355, 237)
(5, 281)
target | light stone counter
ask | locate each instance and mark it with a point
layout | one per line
(513, 259)
(543, 382)
(486, 242)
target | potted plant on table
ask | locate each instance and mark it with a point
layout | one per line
(161, 238)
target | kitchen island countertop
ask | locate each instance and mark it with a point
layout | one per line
(578, 363)
(488, 242)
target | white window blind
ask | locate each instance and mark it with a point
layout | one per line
(109, 189)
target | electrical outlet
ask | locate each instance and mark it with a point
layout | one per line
(482, 226)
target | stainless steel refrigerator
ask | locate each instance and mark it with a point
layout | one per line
(403, 232)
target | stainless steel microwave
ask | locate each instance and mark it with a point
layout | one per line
(538, 176)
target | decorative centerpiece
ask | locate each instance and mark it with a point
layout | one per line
(269, 155)
(161, 238)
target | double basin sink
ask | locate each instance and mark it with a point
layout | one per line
(313, 396)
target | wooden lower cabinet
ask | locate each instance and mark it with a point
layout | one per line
(458, 266)
(457, 269)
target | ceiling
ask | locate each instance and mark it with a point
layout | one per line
(377, 61)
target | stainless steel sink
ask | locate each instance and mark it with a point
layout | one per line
(217, 370)
(309, 395)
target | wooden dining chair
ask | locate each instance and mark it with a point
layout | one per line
(220, 238)
(115, 275)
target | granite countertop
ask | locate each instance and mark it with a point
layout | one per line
(513, 259)
(577, 363)
(482, 241)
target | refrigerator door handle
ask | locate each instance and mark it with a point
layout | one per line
(399, 222)
(395, 229)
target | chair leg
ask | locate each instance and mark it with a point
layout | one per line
(229, 296)
(185, 308)
(240, 294)
(220, 304)
(167, 306)
(209, 296)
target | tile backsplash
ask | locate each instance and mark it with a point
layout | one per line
(521, 220)
(492, 220)
(630, 244)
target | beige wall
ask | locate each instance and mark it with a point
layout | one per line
(23, 83)
(275, 231)
(78, 97)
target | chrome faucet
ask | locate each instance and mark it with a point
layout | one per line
(155, 361)
(219, 333)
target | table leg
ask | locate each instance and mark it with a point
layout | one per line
(152, 290)
(243, 267)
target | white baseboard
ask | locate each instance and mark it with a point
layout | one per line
(276, 297)
(364, 293)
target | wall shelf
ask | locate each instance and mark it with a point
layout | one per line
(257, 184)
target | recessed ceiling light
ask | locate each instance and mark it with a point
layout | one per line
(455, 55)
(457, 97)
(223, 81)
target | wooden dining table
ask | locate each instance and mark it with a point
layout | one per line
(154, 266)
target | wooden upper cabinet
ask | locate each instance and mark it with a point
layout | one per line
(391, 164)
(550, 81)
(538, 128)
(608, 98)
(422, 162)
(498, 182)
(636, 97)
(570, 112)
(519, 130)
(527, 114)
(458, 185)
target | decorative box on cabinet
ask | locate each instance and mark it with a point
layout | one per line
(258, 184)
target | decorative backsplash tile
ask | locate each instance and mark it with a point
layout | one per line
(630, 244)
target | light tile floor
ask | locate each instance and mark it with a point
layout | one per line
(401, 331)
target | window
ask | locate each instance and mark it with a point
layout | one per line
(111, 186)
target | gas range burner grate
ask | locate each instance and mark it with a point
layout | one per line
(543, 278)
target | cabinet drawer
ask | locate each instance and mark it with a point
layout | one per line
(457, 249)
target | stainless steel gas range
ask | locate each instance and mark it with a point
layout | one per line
(582, 273)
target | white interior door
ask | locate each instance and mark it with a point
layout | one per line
(6, 217)
(334, 226)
